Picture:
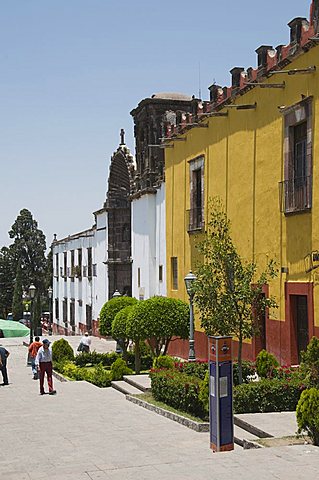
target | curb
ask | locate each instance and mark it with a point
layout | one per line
(198, 427)
(58, 376)
(251, 429)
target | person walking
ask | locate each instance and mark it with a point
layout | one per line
(86, 343)
(43, 363)
(3, 365)
(33, 350)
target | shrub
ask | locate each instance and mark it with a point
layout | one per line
(265, 364)
(95, 358)
(110, 309)
(119, 369)
(248, 368)
(178, 390)
(195, 369)
(309, 367)
(308, 414)
(99, 377)
(267, 396)
(163, 361)
(62, 350)
(204, 393)
(69, 369)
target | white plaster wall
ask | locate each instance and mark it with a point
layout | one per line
(148, 244)
(102, 286)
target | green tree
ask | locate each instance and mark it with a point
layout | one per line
(29, 248)
(17, 302)
(119, 329)
(7, 275)
(229, 291)
(110, 309)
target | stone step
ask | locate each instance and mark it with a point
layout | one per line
(242, 436)
(125, 387)
(142, 382)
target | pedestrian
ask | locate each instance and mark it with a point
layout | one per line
(85, 343)
(43, 363)
(3, 365)
(33, 350)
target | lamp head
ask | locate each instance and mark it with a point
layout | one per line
(32, 290)
(189, 281)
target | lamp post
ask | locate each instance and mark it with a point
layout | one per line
(50, 293)
(189, 281)
(118, 349)
(32, 290)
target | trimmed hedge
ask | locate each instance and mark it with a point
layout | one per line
(96, 375)
(94, 358)
(178, 390)
(62, 351)
(267, 396)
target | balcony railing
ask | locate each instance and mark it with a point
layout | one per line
(296, 194)
(195, 219)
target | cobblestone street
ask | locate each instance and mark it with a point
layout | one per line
(89, 433)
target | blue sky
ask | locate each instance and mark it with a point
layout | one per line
(72, 70)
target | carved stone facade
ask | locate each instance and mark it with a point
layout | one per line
(150, 117)
(118, 207)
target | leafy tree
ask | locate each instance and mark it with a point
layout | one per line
(119, 330)
(29, 248)
(110, 309)
(228, 291)
(7, 275)
(157, 320)
(309, 366)
(17, 305)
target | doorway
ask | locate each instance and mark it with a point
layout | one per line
(300, 314)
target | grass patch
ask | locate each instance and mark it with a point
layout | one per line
(148, 397)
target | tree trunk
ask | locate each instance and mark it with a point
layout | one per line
(240, 366)
(166, 346)
(137, 357)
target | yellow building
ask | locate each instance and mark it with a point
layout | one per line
(255, 145)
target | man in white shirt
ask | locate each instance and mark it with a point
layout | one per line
(86, 342)
(43, 363)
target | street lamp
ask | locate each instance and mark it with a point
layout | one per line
(50, 293)
(118, 349)
(189, 281)
(32, 290)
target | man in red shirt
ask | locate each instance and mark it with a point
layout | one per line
(33, 350)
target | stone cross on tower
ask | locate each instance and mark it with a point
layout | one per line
(122, 134)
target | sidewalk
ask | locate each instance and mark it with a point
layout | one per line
(86, 433)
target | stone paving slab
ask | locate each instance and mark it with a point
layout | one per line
(143, 382)
(89, 433)
(277, 424)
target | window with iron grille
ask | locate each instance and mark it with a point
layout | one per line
(72, 312)
(79, 263)
(160, 273)
(57, 265)
(72, 266)
(138, 277)
(89, 266)
(196, 212)
(296, 189)
(65, 264)
(174, 269)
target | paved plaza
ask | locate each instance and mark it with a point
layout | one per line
(89, 433)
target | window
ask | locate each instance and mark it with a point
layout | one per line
(72, 265)
(196, 212)
(89, 269)
(72, 312)
(57, 265)
(160, 273)
(296, 189)
(65, 310)
(94, 269)
(56, 301)
(174, 273)
(65, 264)
(138, 277)
(89, 317)
(79, 267)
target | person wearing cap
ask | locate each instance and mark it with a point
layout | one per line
(43, 363)
(85, 343)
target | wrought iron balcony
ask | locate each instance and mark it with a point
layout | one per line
(195, 219)
(295, 195)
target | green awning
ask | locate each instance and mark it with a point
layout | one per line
(13, 329)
